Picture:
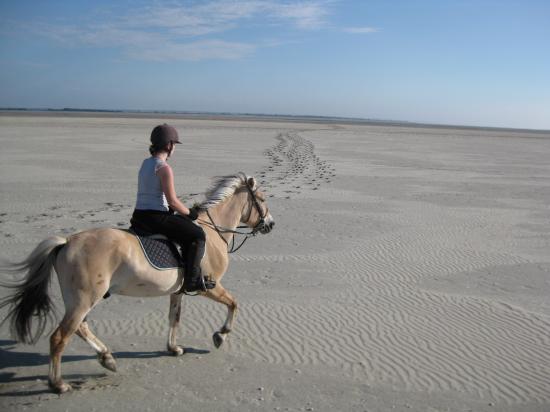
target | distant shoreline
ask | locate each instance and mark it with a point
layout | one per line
(74, 112)
(192, 115)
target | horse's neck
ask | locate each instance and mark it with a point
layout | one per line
(228, 214)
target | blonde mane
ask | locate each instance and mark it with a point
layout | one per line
(223, 188)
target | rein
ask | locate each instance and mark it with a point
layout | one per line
(220, 230)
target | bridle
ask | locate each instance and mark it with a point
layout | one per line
(220, 230)
(261, 222)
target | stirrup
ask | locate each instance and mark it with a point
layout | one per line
(207, 283)
(204, 284)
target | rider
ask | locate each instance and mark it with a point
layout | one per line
(157, 202)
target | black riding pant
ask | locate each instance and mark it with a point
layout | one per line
(177, 228)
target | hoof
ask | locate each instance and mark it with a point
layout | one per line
(107, 361)
(218, 339)
(60, 387)
(176, 350)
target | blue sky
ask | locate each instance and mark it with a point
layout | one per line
(483, 63)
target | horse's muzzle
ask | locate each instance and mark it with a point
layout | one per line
(267, 226)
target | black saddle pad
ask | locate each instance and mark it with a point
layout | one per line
(162, 254)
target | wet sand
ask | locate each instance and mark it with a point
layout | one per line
(409, 268)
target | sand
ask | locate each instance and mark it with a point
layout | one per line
(409, 269)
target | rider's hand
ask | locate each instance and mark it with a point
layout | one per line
(193, 214)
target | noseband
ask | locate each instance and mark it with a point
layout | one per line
(261, 222)
(259, 226)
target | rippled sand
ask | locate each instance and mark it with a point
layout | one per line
(409, 268)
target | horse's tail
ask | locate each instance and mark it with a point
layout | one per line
(31, 294)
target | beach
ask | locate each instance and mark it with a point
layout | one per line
(409, 267)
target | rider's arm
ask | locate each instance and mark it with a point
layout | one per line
(167, 182)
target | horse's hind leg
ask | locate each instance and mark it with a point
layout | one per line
(58, 341)
(104, 355)
(174, 319)
(219, 294)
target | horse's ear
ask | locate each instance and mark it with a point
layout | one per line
(251, 182)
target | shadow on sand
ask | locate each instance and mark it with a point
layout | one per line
(11, 358)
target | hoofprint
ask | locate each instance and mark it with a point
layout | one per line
(94, 262)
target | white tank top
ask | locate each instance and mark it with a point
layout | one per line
(150, 195)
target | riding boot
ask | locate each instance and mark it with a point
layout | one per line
(194, 281)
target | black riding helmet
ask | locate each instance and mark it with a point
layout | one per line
(164, 134)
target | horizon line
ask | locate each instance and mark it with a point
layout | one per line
(360, 120)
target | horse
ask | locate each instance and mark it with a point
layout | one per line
(92, 263)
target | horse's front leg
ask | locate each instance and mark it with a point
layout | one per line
(174, 319)
(219, 294)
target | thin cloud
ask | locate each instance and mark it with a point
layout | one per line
(304, 15)
(194, 51)
(361, 30)
(221, 15)
(172, 31)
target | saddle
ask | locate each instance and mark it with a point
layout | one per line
(160, 252)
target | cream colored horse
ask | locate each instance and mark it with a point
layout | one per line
(94, 262)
